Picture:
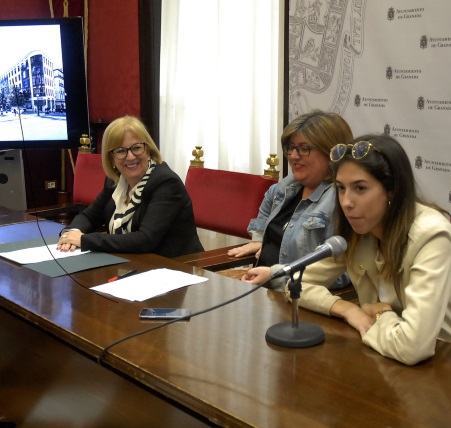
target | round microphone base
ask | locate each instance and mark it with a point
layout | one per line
(303, 335)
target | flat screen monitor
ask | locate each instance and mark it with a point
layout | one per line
(43, 96)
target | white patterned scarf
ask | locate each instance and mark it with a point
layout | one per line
(121, 221)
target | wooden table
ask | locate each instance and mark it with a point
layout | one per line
(218, 365)
(9, 216)
(45, 383)
(216, 259)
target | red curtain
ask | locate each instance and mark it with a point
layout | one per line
(24, 9)
(29, 9)
(74, 7)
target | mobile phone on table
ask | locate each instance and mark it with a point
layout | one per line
(163, 313)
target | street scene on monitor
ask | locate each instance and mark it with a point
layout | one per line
(32, 94)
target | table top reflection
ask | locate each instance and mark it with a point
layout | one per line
(219, 364)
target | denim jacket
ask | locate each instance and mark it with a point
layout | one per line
(310, 225)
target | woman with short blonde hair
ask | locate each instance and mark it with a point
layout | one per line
(144, 205)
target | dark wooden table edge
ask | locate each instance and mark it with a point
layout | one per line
(182, 399)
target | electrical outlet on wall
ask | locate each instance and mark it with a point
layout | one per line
(50, 185)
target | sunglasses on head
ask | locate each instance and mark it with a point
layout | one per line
(359, 150)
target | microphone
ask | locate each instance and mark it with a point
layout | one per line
(304, 334)
(333, 247)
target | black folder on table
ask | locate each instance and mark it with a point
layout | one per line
(41, 233)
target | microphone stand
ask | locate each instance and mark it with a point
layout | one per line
(295, 334)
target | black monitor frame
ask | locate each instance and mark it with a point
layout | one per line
(75, 88)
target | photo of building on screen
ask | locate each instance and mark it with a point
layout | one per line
(33, 100)
(33, 85)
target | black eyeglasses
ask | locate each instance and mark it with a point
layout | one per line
(359, 150)
(122, 152)
(301, 150)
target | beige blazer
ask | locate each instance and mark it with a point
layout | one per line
(424, 290)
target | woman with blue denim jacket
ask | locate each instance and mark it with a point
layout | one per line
(296, 214)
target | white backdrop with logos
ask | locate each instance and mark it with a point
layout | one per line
(385, 67)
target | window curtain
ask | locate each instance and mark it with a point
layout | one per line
(221, 82)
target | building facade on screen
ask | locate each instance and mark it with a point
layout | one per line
(33, 84)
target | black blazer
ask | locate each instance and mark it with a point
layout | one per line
(163, 223)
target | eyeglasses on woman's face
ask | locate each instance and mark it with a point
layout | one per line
(301, 150)
(122, 152)
(359, 150)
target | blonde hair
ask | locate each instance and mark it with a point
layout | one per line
(113, 138)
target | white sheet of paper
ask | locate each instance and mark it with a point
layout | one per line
(148, 284)
(39, 254)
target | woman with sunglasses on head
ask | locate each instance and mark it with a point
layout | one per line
(143, 204)
(398, 254)
(296, 213)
